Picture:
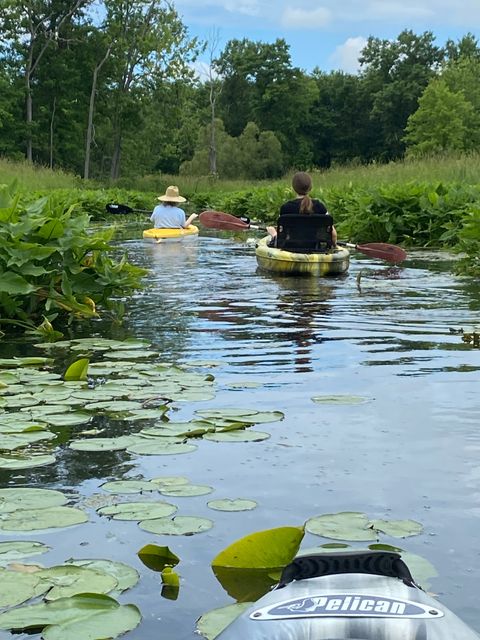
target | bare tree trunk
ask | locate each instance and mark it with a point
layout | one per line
(29, 117)
(115, 166)
(86, 170)
(52, 119)
(213, 142)
(214, 92)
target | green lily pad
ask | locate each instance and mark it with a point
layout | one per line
(37, 519)
(16, 588)
(138, 510)
(186, 490)
(12, 550)
(126, 576)
(155, 448)
(17, 401)
(188, 395)
(25, 462)
(12, 441)
(244, 385)
(102, 444)
(211, 624)
(132, 354)
(114, 406)
(178, 526)
(237, 436)
(229, 504)
(347, 525)
(14, 499)
(397, 528)
(228, 412)
(129, 486)
(168, 481)
(68, 419)
(64, 581)
(157, 557)
(112, 624)
(340, 399)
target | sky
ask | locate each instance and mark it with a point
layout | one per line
(328, 34)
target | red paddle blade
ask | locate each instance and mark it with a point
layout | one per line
(220, 220)
(383, 251)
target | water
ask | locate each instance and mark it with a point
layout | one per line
(410, 451)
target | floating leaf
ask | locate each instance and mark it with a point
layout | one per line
(211, 624)
(68, 419)
(186, 490)
(397, 528)
(178, 526)
(25, 462)
(16, 588)
(14, 499)
(154, 448)
(68, 580)
(157, 558)
(111, 623)
(138, 510)
(78, 370)
(102, 444)
(346, 525)
(129, 486)
(14, 549)
(114, 406)
(229, 504)
(168, 481)
(126, 576)
(340, 399)
(37, 519)
(244, 385)
(237, 436)
(170, 577)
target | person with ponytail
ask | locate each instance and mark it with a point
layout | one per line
(302, 203)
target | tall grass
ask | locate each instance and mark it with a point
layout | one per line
(31, 177)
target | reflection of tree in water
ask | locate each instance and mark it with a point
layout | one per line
(293, 317)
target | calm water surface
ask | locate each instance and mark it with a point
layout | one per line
(412, 451)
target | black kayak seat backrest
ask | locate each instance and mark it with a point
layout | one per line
(380, 563)
(305, 233)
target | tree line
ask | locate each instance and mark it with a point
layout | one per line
(108, 89)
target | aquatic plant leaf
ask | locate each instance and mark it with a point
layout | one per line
(167, 481)
(26, 426)
(178, 526)
(156, 557)
(237, 436)
(128, 486)
(170, 577)
(110, 624)
(102, 444)
(340, 399)
(68, 419)
(346, 525)
(20, 400)
(397, 528)
(114, 406)
(155, 448)
(228, 412)
(185, 490)
(246, 585)
(12, 441)
(13, 499)
(77, 370)
(37, 616)
(229, 504)
(26, 462)
(125, 575)
(12, 550)
(268, 549)
(16, 588)
(188, 395)
(132, 354)
(244, 385)
(138, 510)
(13, 363)
(64, 581)
(37, 519)
(211, 624)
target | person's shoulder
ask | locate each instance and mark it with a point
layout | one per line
(319, 206)
(292, 206)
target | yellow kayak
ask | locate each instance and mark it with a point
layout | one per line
(171, 235)
(289, 263)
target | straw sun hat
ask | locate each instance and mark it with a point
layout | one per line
(172, 195)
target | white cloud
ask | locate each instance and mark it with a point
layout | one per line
(306, 18)
(345, 56)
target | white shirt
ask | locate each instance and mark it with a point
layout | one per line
(166, 217)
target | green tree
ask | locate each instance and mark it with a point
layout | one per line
(440, 122)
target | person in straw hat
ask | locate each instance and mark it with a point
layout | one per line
(168, 215)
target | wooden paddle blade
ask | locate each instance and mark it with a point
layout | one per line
(118, 208)
(383, 251)
(220, 220)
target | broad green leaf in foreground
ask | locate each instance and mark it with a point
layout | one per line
(211, 624)
(156, 557)
(269, 549)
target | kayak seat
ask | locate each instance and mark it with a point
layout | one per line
(380, 563)
(305, 233)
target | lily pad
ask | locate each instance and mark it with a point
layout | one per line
(14, 499)
(178, 526)
(340, 399)
(397, 528)
(126, 576)
(347, 525)
(68, 419)
(111, 623)
(138, 510)
(237, 436)
(114, 406)
(102, 444)
(25, 462)
(211, 624)
(157, 557)
(16, 588)
(154, 448)
(68, 580)
(129, 486)
(12, 441)
(186, 490)
(244, 385)
(229, 504)
(168, 481)
(12, 550)
(37, 519)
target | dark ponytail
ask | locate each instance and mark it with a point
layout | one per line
(302, 184)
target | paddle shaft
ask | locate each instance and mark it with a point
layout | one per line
(123, 209)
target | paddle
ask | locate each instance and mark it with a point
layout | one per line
(123, 209)
(381, 250)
